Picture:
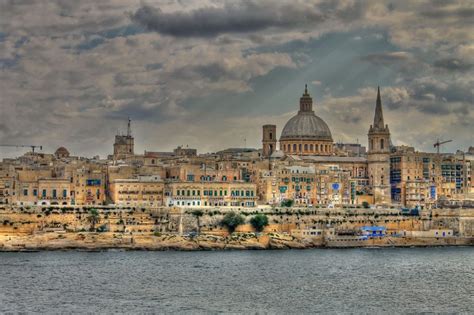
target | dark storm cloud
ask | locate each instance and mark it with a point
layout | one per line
(453, 64)
(464, 14)
(232, 18)
(456, 91)
(387, 58)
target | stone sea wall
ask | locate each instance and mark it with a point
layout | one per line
(35, 228)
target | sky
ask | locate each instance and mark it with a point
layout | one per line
(208, 74)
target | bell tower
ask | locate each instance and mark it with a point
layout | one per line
(378, 156)
(269, 140)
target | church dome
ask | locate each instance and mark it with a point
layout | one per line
(308, 126)
(61, 152)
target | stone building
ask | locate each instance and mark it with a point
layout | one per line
(141, 191)
(313, 185)
(378, 156)
(124, 144)
(89, 185)
(413, 176)
(215, 193)
(269, 140)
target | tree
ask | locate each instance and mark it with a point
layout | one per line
(287, 203)
(198, 214)
(259, 222)
(232, 220)
(93, 218)
(365, 204)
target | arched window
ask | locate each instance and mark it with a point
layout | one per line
(306, 147)
(271, 136)
(300, 147)
(371, 144)
(294, 147)
(381, 144)
(311, 147)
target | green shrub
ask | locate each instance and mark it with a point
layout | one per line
(232, 220)
(259, 222)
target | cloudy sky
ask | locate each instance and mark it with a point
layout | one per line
(209, 73)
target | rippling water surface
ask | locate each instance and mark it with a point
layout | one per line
(307, 281)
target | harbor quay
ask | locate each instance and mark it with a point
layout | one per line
(205, 228)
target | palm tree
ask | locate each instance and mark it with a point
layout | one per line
(198, 214)
(93, 218)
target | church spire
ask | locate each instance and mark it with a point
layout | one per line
(378, 118)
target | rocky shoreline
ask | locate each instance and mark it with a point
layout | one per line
(248, 241)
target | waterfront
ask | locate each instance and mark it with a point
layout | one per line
(336, 281)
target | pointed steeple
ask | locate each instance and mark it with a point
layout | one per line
(378, 118)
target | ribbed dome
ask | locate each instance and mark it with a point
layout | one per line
(306, 125)
(61, 152)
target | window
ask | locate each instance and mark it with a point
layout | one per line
(306, 147)
(44, 193)
(294, 147)
(300, 147)
(54, 193)
(311, 148)
(64, 193)
(35, 192)
(25, 192)
(271, 136)
(381, 144)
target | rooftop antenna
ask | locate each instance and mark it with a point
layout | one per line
(129, 129)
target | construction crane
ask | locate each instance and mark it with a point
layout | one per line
(438, 144)
(33, 147)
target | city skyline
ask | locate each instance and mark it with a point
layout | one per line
(73, 76)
